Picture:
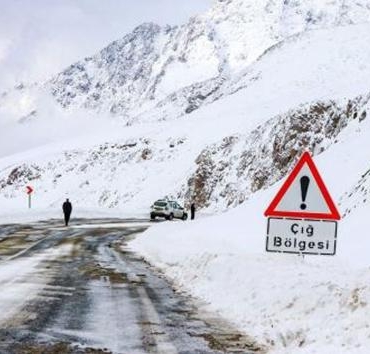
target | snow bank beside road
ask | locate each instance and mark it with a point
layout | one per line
(293, 305)
(315, 305)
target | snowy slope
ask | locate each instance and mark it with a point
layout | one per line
(294, 97)
(315, 305)
(133, 74)
(251, 84)
(181, 68)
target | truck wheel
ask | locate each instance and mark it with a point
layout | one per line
(152, 216)
(170, 217)
(184, 216)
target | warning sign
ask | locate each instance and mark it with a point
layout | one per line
(301, 236)
(302, 218)
(304, 195)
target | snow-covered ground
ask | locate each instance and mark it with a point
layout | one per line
(311, 305)
(292, 304)
(100, 162)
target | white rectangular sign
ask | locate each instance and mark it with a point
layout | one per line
(301, 236)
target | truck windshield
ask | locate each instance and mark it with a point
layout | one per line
(160, 204)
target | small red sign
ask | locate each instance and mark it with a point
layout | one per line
(29, 190)
(304, 195)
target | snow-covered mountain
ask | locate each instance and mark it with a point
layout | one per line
(139, 72)
(184, 66)
(250, 83)
(217, 111)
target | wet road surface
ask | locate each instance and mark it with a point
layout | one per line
(79, 290)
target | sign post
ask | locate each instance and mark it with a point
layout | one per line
(302, 218)
(29, 193)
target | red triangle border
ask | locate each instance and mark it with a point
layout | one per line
(305, 159)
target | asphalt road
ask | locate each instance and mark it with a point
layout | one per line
(79, 290)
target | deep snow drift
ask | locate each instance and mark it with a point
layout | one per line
(289, 303)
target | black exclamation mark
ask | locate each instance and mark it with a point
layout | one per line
(305, 182)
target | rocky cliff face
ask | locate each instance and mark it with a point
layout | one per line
(227, 173)
(224, 174)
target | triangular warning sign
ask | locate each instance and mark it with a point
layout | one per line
(304, 194)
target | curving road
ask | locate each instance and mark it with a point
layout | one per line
(79, 290)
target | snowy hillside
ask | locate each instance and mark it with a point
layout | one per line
(177, 69)
(297, 96)
(144, 68)
(230, 171)
(282, 300)
(217, 111)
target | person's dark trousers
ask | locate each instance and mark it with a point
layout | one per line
(192, 215)
(66, 218)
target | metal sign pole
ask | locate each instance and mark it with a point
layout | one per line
(29, 201)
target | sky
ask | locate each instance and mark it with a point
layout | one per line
(39, 38)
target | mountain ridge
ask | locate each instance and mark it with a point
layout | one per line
(313, 68)
(134, 74)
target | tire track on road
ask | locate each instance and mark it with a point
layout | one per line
(97, 296)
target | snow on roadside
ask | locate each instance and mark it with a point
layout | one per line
(311, 305)
(295, 305)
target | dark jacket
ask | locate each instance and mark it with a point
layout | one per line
(67, 208)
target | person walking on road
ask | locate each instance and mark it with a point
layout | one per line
(67, 210)
(192, 211)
